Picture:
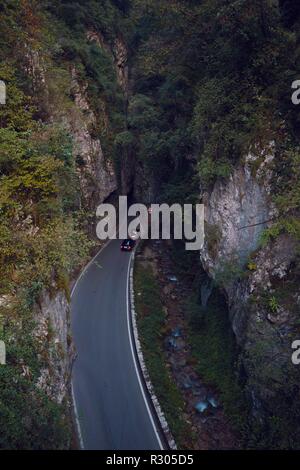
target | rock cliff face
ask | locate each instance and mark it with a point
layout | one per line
(237, 211)
(260, 283)
(56, 348)
(118, 51)
(95, 170)
(96, 173)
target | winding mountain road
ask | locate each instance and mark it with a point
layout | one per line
(112, 408)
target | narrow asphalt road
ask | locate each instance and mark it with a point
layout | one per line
(110, 405)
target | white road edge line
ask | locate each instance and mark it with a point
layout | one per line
(81, 442)
(134, 359)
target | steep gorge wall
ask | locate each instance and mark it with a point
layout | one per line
(96, 173)
(52, 332)
(95, 170)
(62, 100)
(118, 50)
(260, 282)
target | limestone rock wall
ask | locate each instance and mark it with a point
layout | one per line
(260, 282)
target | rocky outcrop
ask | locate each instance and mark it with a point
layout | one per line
(117, 49)
(120, 59)
(236, 213)
(56, 351)
(35, 68)
(96, 173)
(260, 283)
(95, 170)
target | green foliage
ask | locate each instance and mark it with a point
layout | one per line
(13, 147)
(150, 324)
(214, 348)
(213, 236)
(36, 422)
(104, 16)
(17, 112)
(210, 73)
(286, 196)
(273, 304)
(211, 337)
(278, 384)
(251, 266)
(209, 171)
(229, 272)
(290, 225)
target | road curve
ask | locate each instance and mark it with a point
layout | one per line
(110, 406)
